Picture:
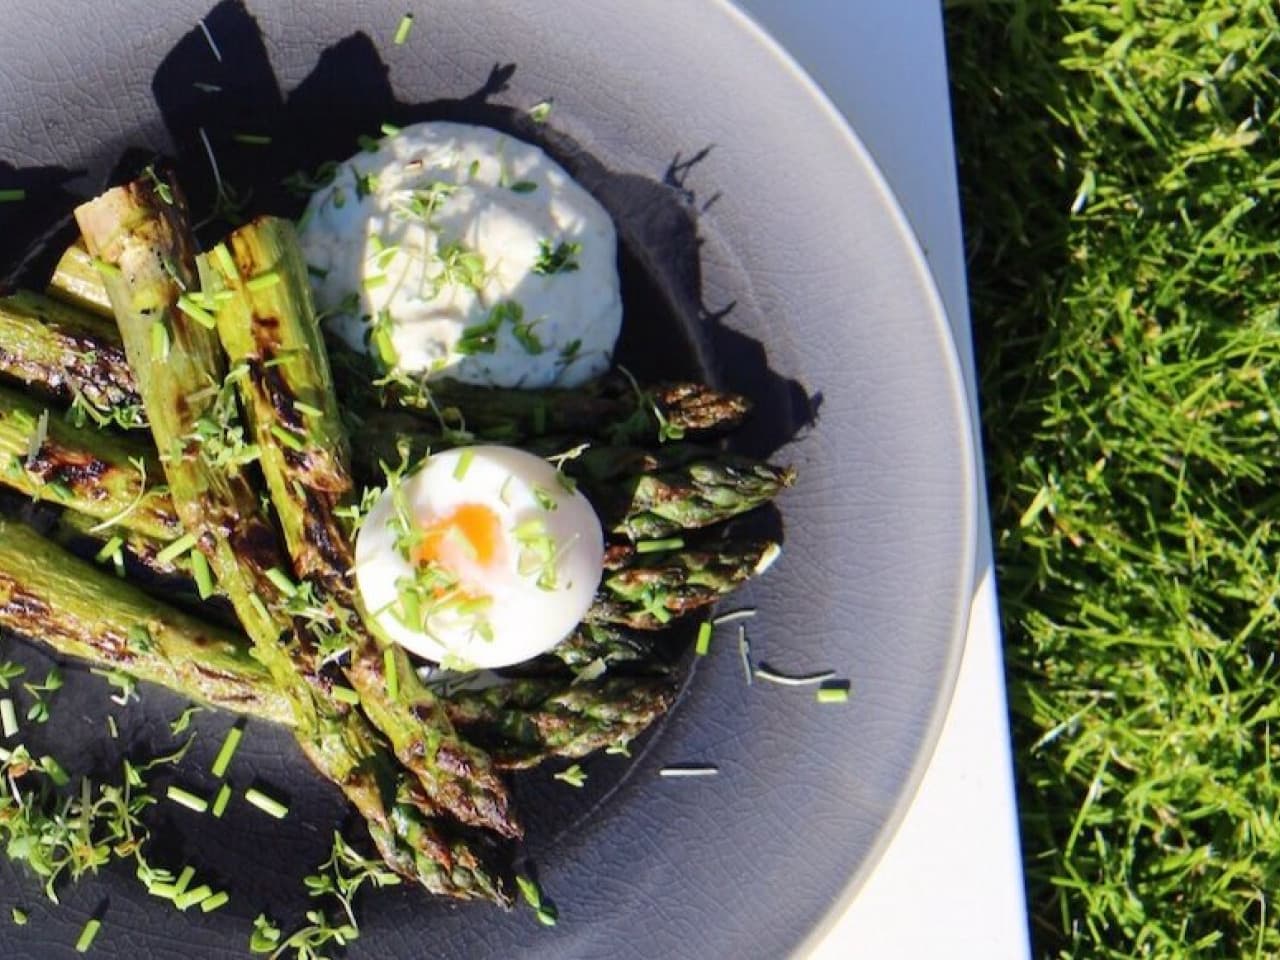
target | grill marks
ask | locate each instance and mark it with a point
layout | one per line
(67, 355)
(78, 469)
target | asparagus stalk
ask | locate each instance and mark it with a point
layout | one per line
(268, 324)
(69, 355)
(613, 408)
(606, 643)
(648, 595)
(77, 610)
(76, 281)
(640, 493)
(524, 721)
(51, 596)
(99, 474)
(145, 551)
(141, 233)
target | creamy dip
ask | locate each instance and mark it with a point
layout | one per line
(457, 251)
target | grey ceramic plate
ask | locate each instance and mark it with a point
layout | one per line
(762, 247)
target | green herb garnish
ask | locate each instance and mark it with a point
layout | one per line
(186, 798)
(573, 776)
(230, 744)
(562, 258)
(88, 934)
(403, 29)
(268, 805)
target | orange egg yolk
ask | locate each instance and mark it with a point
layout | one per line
(471, 535)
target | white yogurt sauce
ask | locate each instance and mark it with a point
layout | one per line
(457, 251)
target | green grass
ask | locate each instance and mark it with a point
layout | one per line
(1120, 173)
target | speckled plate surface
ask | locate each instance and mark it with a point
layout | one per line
(762, 248)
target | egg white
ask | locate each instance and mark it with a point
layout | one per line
(525, 618)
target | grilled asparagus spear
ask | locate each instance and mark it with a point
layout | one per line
(613, 408)
(660, 587)
(76, 281)
(76, 609)
(50, 595)
(67, 354)
(268, 325)
(99, 474)
(141, 235)
(523, 721)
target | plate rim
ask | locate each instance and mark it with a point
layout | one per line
(966, 403)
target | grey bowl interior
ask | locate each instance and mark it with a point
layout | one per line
(763, 248)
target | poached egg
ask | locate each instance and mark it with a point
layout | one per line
(484, 557)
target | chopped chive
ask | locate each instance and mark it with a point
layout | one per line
(464, 463)
(217, 54)
(109, 550)
(288, 439)
(657, 546)
(733, 615)
(12, 196)
(547, 915)
(8, 718)
(159, 341)
(203, 575)
(225, 261)
(164, 891)
(221, 800)
(229, 747)
(187, 799)
(184, 880)
(282, 582)
(88, 934)
(110, 269)
(259, 607)
(530, 891)
(374, 281)
(268, 805)
(389, 667)
(112, 728)
(546, 500)
(764, 672)
(346, 695)
(690, 770)
(176, 549)
(524, 186)
(389, 129)
(307, 409)
(402, 31)
(703, 646)
(539, 112)
(368, 145)
(187, 304)
(833, 693)
(19, 917)
(185, 901)
(263, 281)
(55, 771)
(219, 899)
(768, 557)
(253, 139)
